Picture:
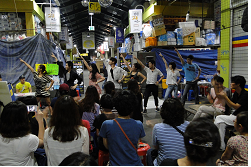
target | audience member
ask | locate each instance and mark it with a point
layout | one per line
(236, 153)
(109, 88)
(202, 142)
(218, 107)
(66, 135)
(79, 159)
(239, 102)
(122, 150)
(90, 106)
(63, 90)
(168, 137)
(134, 87)
(107, 104)
(23, 86)
(16, 143)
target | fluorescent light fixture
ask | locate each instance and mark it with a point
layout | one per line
(91, 13)
(75, 45)
(114, 28)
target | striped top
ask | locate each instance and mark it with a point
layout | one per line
(40, 83)
(170, 142)
(90, 116)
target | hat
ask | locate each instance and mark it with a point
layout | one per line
(22, 77)
(64, 86)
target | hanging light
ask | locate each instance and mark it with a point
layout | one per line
(85, 3)
(188, 12)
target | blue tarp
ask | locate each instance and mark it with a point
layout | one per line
(33, 50)
(205, 59)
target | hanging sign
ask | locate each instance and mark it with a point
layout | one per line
(119, 35)
(135, 20)
(111, 42)
(106, 48)
(79, 68)
(63, 35)
(52, 19)
(69, 45)
(84, 54)
(88, 39)
(94, 7)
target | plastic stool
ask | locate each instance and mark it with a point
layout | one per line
(102, 156)
(77, 92)
(190, 97)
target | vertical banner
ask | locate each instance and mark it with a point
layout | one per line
(88, 39)
(63, 35)
(135, 20)
(111, 42)
(119, 35)
(69, 45)
(79, 68)
(52, 19)
(106, 48)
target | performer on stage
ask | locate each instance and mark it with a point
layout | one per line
(151, 82)
(171, 78)
(190, 69)
(70, 77)
(134, 71)
(94, 76)
(41, 81)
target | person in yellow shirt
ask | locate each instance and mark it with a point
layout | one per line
(22, 86)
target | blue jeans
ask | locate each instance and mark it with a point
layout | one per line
(170, 89)
(194, 86)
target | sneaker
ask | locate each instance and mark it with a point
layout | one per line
(157, 109)
(144, 111)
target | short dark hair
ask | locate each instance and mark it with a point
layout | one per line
(238, 79)
(198, 133)
(70, 64)
(79, 159)
(137, 66)
(133, 86)
(106, 101)
(14, 121)
(172, 112)
(152, 61)
(65, 119)
(218, 79)
(173, 65)
(242, 118)
(113, 60)
(109, 87)
(125, 102)
(190, 57)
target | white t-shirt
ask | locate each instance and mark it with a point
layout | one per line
(171, 78)
(18, 151)
(152, 75)
(57, 151)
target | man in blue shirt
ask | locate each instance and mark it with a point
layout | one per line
(190, 70)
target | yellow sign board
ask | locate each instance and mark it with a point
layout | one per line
(52, 69)
(84, 54)
(94, 7)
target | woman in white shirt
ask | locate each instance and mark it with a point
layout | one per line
(66, 135)
(171, 78)
(17, 145)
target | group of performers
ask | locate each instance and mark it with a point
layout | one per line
(116, 75)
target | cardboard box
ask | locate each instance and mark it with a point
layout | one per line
(197, 32)
(159, 30)
(162, 43)
(189, 39)
(209, 24)
(157, 20)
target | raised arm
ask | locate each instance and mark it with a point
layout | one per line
(139, 62)
(86, 64)
(32, 70)
(126, 63)
(178, 53)
(39, 117)
(163, 60)
(52, 55)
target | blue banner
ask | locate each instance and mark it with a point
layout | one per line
(119, 35)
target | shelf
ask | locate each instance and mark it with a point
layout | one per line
(179, 46)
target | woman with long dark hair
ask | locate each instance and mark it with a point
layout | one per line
(66, 135)
(41, 80)
(134, 87)
(16, 143)
(90, 105)
(109, 88)
(94, 76)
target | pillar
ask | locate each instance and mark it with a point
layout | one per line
(30, 25)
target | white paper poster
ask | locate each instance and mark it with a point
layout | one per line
(135, 20)
(106, 48)
(52, 19)
(111, 42)
(88, 39)
(63, 35)
(69, 45)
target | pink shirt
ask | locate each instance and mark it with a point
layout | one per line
(218, 103)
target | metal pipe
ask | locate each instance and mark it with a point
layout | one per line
(230, 45)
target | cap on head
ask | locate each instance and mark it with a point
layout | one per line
(22, 77)
(64, 87)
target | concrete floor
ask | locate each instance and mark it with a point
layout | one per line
(152, 117)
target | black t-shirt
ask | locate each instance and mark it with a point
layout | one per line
(241, 99)
(169, 162)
